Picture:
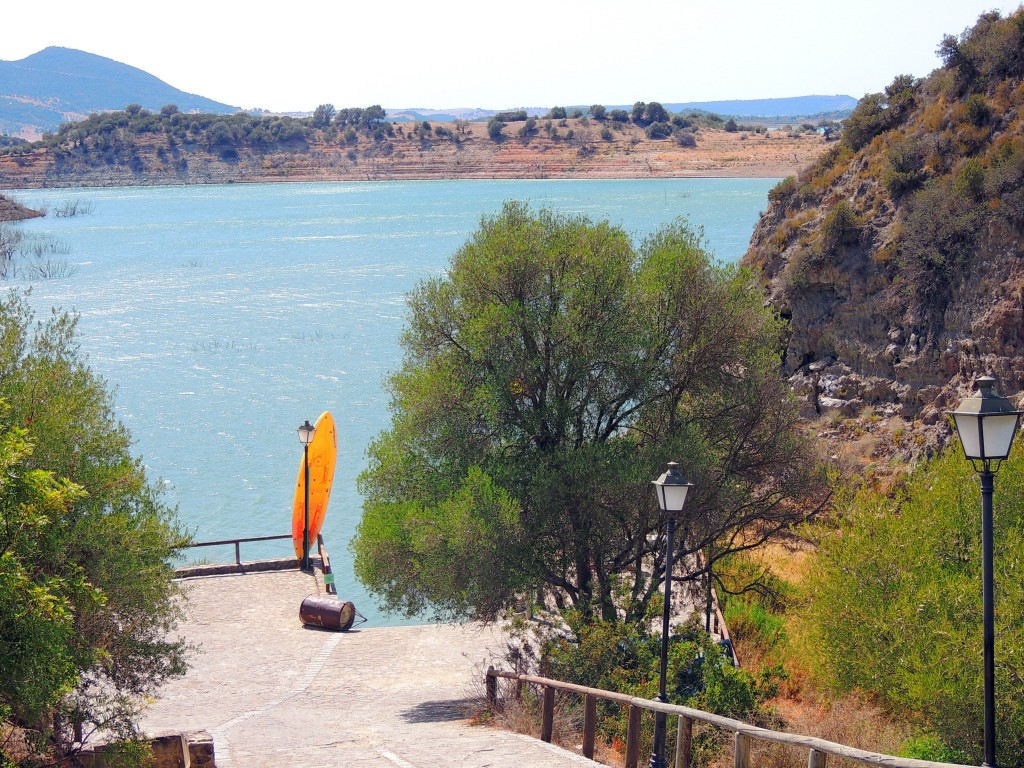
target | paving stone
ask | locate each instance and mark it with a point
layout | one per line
(275, 693)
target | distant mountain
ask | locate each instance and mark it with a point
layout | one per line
(790, 107)
(57, 85)
(418, 114)
(795, 106)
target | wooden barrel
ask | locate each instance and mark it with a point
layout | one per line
(327, 612)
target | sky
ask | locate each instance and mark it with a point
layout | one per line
(498, 55)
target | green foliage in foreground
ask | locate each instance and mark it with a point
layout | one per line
(895, 604)
(547, 379)
(86, 597)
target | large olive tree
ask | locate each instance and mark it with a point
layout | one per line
(548, 377)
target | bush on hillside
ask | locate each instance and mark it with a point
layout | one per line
(685, 137)
(658, 131)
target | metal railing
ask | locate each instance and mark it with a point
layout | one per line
(238, 543)
(743, 733)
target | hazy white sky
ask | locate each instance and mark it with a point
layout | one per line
(479, 53)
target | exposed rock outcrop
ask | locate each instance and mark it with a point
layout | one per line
(897, 257)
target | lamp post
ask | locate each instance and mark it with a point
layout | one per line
(986, 424)
(306, 432)
(671, 490)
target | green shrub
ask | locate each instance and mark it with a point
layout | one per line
(783, 192)
(865, 122)
(977, 110)
(658, 131)
(970, 179)
(750, 621)
(841, 226)
(894, 601)
(905, 166)
(511, 117)
(931, 747)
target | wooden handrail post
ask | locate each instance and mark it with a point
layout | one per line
(589, 724)
(238, 553)
(491, 685)
(684, 742)
(741, 751)
(744, 734)
(633, 737)
(547, 722)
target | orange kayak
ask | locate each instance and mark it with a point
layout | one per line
(323, 455)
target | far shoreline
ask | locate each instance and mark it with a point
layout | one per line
(628, 155)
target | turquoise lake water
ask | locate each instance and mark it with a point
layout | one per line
(226, 315)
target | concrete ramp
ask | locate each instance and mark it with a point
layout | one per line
(275, 693)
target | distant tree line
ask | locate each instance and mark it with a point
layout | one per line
(657, 122)
(116, 138)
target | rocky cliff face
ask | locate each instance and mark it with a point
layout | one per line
(897, 257)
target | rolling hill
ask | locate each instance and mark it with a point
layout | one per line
(57, 85)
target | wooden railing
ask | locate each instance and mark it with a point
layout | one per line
(743, 733)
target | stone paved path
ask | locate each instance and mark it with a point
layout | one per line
(275, 693)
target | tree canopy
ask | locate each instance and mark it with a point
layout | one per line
(547, 379)
(86, 592)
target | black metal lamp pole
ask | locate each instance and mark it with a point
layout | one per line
(671, 490)
(986, 424)
(305, 526)
(306, 432)
(658, 755)
(988, 598)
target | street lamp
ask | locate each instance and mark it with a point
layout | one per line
(671, 490)
(306, 432)
(986, 424)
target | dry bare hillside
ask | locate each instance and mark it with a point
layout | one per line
(575, 149)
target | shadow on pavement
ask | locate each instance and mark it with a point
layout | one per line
(439, 711)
